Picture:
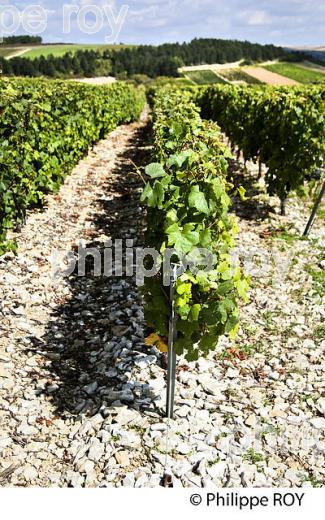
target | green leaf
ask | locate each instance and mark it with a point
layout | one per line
(171, 216)
(184, 288)
(198, 201)
(242, 193)
(179, 159)
(242, 287)
(183, 239)
(205, 238)
(155, 170)
(195, 312)
(147, 193)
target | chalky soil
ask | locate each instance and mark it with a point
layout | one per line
(82, 398)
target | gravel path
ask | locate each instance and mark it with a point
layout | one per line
(20, 52)
(82, 398)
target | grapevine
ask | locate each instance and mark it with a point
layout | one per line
(45, 128)
(188, 208)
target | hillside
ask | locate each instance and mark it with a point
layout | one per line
(153, 61)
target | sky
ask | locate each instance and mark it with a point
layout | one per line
(282, 22)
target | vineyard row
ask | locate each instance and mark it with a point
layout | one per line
(45, 128)
(284, 128)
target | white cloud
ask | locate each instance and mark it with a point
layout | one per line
(257, 17)
(154, 21)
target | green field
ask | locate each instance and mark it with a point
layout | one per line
(178, 82)
(297, 72)
(56, 50)
(60, 50)
(203, 77)
(238, 75)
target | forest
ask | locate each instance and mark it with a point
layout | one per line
(24, 39)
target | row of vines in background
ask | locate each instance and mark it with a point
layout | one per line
(188, 209)
(45, 128)
(284, 128)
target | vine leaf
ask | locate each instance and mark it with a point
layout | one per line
(198, 201)
(155, 170)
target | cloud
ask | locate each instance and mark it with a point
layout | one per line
(293, 22)
(256, 17)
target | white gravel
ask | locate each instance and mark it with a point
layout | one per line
(82, 397)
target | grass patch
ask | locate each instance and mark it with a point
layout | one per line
(282, 233)
(60, 50)
(318, 276)
(268, 318)
(239, 75)
(213, 462)
(303, 398)
(253, 456)
(243, 351)
(314, 481)
(319, 332)
(165, 80)
(270, 429)
(204, 77)
(297, 72)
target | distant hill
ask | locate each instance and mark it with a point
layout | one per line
(126, 61)
(317, 53)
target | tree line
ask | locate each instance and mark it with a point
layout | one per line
(79, 64)
(164, 60)
(24, 39)
(161, 60)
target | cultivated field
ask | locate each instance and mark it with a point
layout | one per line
(266, 76)
(298, 73)
(214, 66)
(238, 75)
(203, 77)
(55, 50)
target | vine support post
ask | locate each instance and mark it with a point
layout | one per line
(313, 213)
(171, 366)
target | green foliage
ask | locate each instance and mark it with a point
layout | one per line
(74, 63)
(45, 128)
(188, 210)
(283, 127)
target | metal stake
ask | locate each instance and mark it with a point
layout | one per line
(315, 208)
(171, 368)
